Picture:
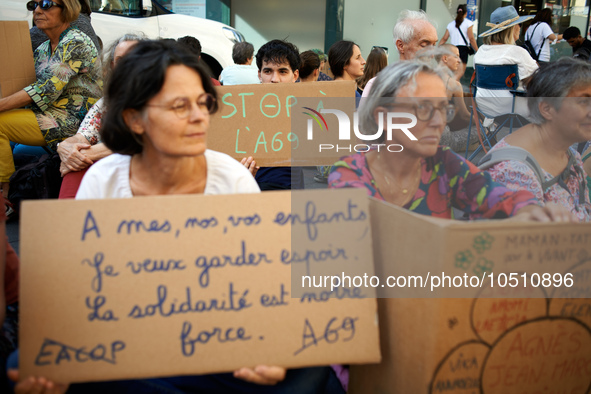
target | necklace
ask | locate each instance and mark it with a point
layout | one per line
(404, 189)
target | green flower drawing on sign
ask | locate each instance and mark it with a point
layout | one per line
(483, 242)
(464, 259)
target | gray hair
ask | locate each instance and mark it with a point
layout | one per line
(387, 85)
(546, 87)
(241, 52)
(404, 29)
(139, 36)
(110, 53)
(432, 57)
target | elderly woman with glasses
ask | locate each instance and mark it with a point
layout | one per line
(560, 109)
(68, 83)
(410, 169)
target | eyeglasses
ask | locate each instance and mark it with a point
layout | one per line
(424, 111)
(182, 107)
(584, 102)
(44, 4)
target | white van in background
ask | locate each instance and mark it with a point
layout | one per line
(113, 18)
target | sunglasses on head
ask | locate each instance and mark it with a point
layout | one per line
(44, 4)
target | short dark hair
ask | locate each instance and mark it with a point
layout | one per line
(241, 52)
(310, 62)
(339, 56)
(191, 43)
(139, 77)
(279, 51)
(571, 32)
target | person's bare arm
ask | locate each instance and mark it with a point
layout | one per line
(444, 38)
(250, 164)
(460, 103)
(35, 384)
(93, 153)
(97, 152)
(472, 39)
(71, 155)
(261, 374)
(551, 212)
(15, 100)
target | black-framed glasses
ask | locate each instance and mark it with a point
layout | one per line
(424, 110)
(183, 107)
(44, 4)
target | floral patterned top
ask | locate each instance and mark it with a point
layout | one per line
(91, 124)
(519, 176)
(69, 82)
(447, 180)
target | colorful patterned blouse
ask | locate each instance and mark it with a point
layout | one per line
(447, 180)
(69, 82)
(519, 176)
(91, 124)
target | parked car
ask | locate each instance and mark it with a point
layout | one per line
(113, 18)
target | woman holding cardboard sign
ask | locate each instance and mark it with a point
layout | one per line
(160, 101)
(69, 82)
(422, 176)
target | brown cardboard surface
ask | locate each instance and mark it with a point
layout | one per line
(86, 315)
(260, 121)
(17, 68)
(481, 344)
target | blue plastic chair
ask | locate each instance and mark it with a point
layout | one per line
(493, 77)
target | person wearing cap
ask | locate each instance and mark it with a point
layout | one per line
(499, 49)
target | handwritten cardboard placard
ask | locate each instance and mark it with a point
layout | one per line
(176, 285)
(534, 339)
(256, 120)
(17, 68)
